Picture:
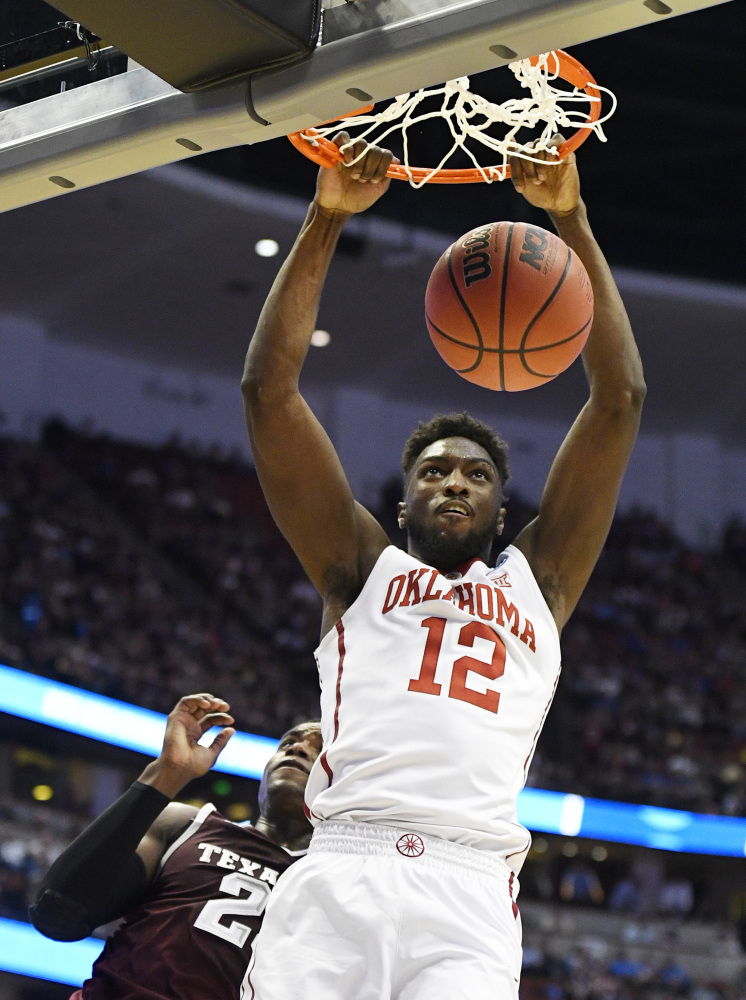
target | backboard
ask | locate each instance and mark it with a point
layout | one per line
(367, 51)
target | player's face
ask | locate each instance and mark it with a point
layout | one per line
(453, 507)
(287, 770)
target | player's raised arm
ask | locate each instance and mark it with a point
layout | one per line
(108, 867)
(336, 541)
(564, 542)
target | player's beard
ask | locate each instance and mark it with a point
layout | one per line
(444, 550)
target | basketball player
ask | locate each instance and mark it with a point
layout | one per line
(437, 670)
(191, 885)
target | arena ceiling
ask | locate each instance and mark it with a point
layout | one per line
(161, 266)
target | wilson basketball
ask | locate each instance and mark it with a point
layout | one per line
(509, 306)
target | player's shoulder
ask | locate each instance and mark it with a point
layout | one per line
(513, 568)
(179, 820)
(513, 556)
(174, 818)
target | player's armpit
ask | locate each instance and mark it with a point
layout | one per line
(343, 582)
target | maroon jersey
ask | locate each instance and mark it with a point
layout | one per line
(191, 935)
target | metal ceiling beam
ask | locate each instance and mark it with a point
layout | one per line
(129, 123)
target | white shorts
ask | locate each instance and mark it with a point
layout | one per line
(376, 913)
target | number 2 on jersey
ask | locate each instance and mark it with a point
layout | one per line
(211, 914)
(425, 682)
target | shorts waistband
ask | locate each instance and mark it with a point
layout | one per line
(336, 837)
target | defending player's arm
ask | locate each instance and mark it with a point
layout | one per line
(336, 540)
(563, 543)
(108, 867)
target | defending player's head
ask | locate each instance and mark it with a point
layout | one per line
(455, 468)
(284, 780)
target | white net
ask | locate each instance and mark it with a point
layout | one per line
(470, 116)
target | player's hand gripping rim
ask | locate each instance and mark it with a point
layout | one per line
(359, 180)
(554, 187)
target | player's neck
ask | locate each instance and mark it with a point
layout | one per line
(292, 834)
(449, 562)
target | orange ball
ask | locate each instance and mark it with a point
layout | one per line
(509, 306)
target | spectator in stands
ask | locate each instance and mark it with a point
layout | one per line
(625, 966)
(674, 976)
(581, 884)
(676, 897)
(12, 894)
(625, 897)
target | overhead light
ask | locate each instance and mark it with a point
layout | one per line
(267, 248)
(320, 338)
(42, 793)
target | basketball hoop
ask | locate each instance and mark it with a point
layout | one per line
(470, 116)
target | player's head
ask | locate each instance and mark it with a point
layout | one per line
(284, 780)
(455, 468)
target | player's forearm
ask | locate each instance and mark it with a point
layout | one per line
(100, 873)
(611, 358)
(287, 321)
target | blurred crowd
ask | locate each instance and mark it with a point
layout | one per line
(640, 952)
(179, 583)
(588, 972)
(652, 704)
(31, 837)
(142, 573)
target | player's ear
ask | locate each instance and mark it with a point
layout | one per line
(501, 521)
(401, 514)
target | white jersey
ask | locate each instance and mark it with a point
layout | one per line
(434, 689)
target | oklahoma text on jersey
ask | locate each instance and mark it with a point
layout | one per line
(476, 598)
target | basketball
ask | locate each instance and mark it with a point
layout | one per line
(509, 306)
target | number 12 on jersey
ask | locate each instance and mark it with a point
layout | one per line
(425, 682)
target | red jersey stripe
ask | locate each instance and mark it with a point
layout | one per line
(340, 667)
(510, 889)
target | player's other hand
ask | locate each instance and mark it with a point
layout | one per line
(351, 187)
(554, 188)
(182, 755)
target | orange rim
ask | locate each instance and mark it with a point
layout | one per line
(326, 154)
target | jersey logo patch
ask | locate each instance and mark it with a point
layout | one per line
(503, 580)
(410, 845)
